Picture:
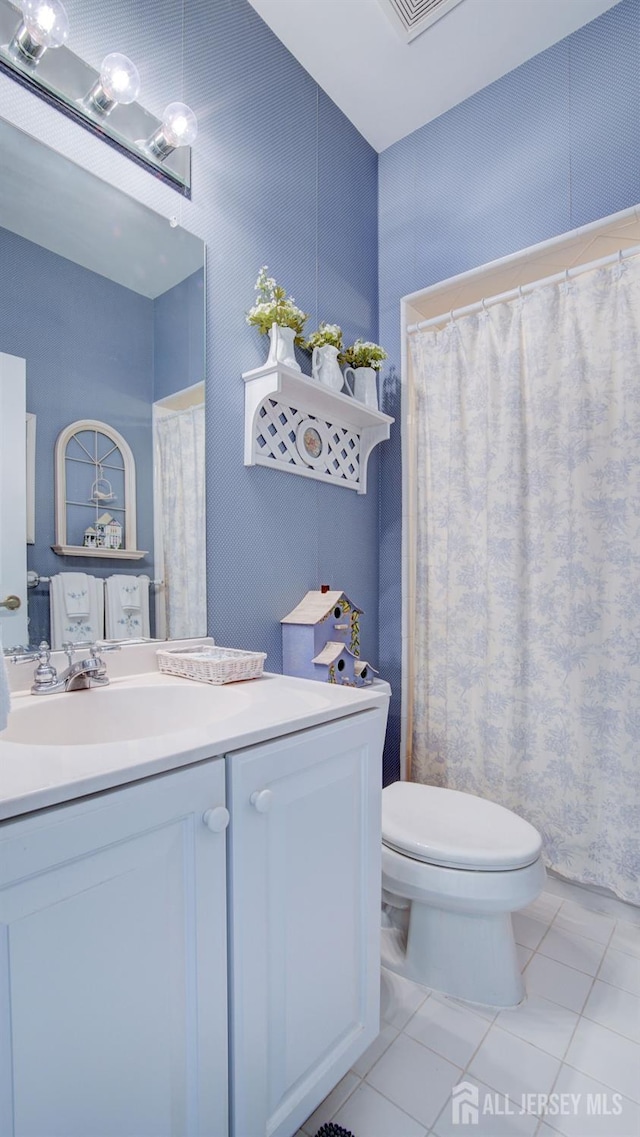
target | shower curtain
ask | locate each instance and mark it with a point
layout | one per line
(526, 615)
(179, 442)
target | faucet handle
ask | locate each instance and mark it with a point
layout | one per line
(104, 645)
(22, 654)
(45, 674)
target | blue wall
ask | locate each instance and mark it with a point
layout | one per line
(178, 336)
(280, 177)
(547, 148)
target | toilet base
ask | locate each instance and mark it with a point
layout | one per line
(465, 955)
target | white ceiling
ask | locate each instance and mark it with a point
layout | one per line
(387, 87)
(54, 203)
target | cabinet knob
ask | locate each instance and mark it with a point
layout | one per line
(217, 819)
(261, 800)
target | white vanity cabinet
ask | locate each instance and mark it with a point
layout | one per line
(195, 954)
(113, 999)
(304, 874)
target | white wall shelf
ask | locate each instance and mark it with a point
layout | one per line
(283, 407)
(113, 554)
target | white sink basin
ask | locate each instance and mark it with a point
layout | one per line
(120, 713)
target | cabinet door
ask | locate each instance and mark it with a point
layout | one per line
(113, 1014)
(305, 917)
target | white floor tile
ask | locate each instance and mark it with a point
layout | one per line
(486, 1013)
(375, 1051)
(399, 998)
(493, 1120)
(596, 900)
(331, 1104)
(524, 955)
(626, 938)
(575, 951)
(583, 1114)
(544, 908)
(415, 1079)
(622, 970)
(542, 1023)
(606, 1057)
(527, 932)
(449, 1029)
(369, 1114)
(581, 922)
(512, 1066)
(615, 1009)
(556, 981)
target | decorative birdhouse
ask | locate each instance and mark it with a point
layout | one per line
(321, 640)
(90, 538)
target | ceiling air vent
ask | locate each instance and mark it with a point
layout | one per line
(412, 17)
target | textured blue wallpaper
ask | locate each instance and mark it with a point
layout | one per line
(550, 146)
(280, 177)
(178, 336)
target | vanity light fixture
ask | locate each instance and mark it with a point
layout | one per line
(179, 127)
(44, 24)
(119, 82)
(105, 101)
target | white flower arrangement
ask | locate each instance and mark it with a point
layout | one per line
(273, 306)
(326, 334)
(363, 354)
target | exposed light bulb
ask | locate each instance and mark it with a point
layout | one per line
(44, 24)
(119, 82)
(179, 128)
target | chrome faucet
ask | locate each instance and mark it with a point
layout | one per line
(88, 672)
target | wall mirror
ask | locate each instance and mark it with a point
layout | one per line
(103, 299)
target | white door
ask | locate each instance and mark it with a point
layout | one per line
(13, 500)
(113, 964)
(305, 918)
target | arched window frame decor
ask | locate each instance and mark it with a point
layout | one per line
(129, 551)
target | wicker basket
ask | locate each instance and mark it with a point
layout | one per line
(209, 664)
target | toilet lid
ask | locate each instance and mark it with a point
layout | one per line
(455, 830)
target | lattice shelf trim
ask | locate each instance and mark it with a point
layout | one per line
(295, 425)
(276, 444)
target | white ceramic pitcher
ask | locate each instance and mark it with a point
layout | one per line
(364, 387)
(325, 367)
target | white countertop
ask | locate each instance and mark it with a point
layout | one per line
(37, 776)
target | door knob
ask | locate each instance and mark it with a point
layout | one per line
(11, 602)
(261, 800)
(217, 819)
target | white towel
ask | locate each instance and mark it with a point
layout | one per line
(74, 629)
(129, 589)
(77, 601)
(5, 695)
(125, 620)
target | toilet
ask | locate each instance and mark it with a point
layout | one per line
(454, 868)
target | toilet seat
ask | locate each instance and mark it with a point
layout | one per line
(455, 830)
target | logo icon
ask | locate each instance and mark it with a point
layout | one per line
(464, 1104)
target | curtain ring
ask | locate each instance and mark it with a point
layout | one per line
(484, 306)
(451, 320)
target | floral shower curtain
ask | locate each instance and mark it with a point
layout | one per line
(526, 618)
(179, 441)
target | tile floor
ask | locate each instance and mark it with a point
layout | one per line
(577, 1034)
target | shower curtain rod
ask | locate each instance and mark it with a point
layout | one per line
(501, 297)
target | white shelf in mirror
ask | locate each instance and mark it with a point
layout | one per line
(295, 424)
(115, 554)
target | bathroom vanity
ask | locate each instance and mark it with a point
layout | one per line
(189, 921)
